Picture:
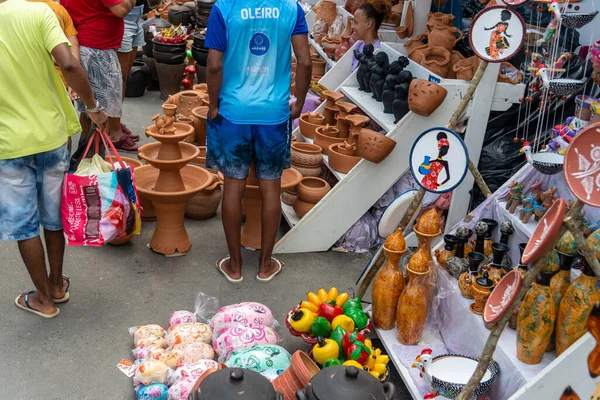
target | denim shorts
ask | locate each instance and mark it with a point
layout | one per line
(231, 148)
(31, 193)
(133, 36)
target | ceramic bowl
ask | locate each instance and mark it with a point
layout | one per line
(311, 189)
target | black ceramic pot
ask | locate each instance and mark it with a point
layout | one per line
(169, 58)
(168, 47)
(200, 55)
(492, 225)
(346, 383)
(450, 242)
(180, 15)
(138, 80)
(158, 22)
(498, 251)
(236, 383)
(198, 40)
(475, 259)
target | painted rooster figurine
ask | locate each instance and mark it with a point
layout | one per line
(423, 361)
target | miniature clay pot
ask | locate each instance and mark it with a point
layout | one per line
(465, 68)
(318, 67)
(205, 204)
(416, 53)
(187, 102)
(440, 18)
(425, 97)
(200, 124)
(301, 208)
(347, 149)
(406, 30)
(324, 137)
(311, 189)
(331, 108)
(328, 11)
(374, 146)
(306, 154)
(444, 36)
(437, 60)
(341, 162)
(307, 128)
(330, 45)
(415, 42)
(455, 57)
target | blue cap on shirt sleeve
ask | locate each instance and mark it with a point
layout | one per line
(301, 27)
(216, 33)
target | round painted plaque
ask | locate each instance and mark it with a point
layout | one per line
(497, 34)
(582, 165)
(439, 160)
(545, 233)
(502, 297)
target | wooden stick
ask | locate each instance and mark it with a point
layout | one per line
(479, 179)
(492, 341)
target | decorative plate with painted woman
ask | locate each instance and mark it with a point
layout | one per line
(497, 33)
(431, 179)
(498, 38)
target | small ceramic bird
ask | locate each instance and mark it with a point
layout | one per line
(561, 87)
(545, 162)
(423, 361)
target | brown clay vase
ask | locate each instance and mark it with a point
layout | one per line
(455, 57)
(440, 18)
(424, 97)
(444, 36)
(306, 154)
(374, 146)
(341, 162)
(343, 47)
(200, 123)
(356, 124)
(169, 76)
(205, 204)
(331, 108)
(318, 67)
(301, 370)
(416, 53)
(437, 60)
(413, 306)
(187, 102)
(328, 11)
(309, 122)
(415, 42)
(311, 189)
(325, 136)
(389, 283)
(406, 30)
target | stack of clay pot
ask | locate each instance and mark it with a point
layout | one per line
(306, 158)
(437, 55)
(310, 191)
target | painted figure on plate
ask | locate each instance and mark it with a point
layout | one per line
(498, 38)
(432, 169)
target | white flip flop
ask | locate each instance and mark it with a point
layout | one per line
(30, 309)
(274, 274)
(219, 265)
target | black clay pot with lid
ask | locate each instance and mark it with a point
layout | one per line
(236, 384)
(346, 383)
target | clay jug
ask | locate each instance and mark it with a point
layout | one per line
(443, 36)
(575, 308)
(389, 283)
(440, 18)
(437, 60)
(330, 45)
(425, 97)
(535, 322)
(413, 307)
(416, 53)
(455, 57)
(328, 11)
(343, 47)
(593, 326)
(417, 41)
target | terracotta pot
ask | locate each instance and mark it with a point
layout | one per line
(374, 146)
(169, 76)
(387, 288)
(343, 47)
(308, 128)
(297, 376)
(330, 45)
(200, 123)
(318, 67)
(288, 198)
(301, 208)
(413, 307)
(327, 11)
(188, 121)
(425, 97)
(174, 98)
(324, 137)
(311, 190)
(346, 149)
(342, 123)
(307, 171)
(331, 108)
(406, 30)
(416, 53)
(205, 204)
(455, 57)
(415, 42)
(444, 36)
(306, 154)
(201, 159)
(341, 162)
(187, 102)
(437, 60)
(465, 68)
(440, 18)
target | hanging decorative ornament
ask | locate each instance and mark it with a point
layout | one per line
(497, 34)
(573, 20)
(561, 86)
(545, 162)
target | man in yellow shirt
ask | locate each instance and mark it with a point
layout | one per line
(36, 118)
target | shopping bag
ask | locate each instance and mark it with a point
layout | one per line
(99, 204)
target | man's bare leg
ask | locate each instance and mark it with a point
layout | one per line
(33, 256)
(55, 247)
(233, 191)
(270, 220)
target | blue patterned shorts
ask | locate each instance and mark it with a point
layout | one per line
(31, 193)
(231, 148)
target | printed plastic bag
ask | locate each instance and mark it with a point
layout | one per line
(189, 333)
(245, 313)
(155, 391)
(193, 370)
(260, 358)
(239, 336)
(146, 335)
(193, 352)
(182, 388)
(182, 317)
(150, 371)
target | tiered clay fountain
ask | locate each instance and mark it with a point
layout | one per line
(168, 182)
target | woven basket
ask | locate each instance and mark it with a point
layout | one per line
(307, 171)
(297, 376)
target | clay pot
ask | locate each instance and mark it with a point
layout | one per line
(309, 122)
(174, 99)
(201, 159)
(330, 45)
(455, 57)
(200, 123)
(465, 68)
(187, 102)
(188, 121)
(331, 108)
(416, 53)
(437, 60)
(342, 124)
(297, 376)
(374, 146)
(356, 123)
(205, 204)
(425, 97)
(341, 162)
(308, 171)
(440, 18)
(306, 154)
(301, 208)
(342, 48)
(444, 36)
(288, 198)
(327, 11)
(415, 42)
(325, 136)
(318, 67)
(406, 30)
(311, 190)
(169, 76)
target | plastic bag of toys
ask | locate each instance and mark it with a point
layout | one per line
(148, 335)
(239, 336)
(245, 313)
(182, 388)
(182, 317)
(189, 333)
(150, 371)
(192, 370)
(193, 352)
(260, 358)
(155, 391)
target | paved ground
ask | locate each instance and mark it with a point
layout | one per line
(74, 356)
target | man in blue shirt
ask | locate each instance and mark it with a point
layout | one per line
(249, 119)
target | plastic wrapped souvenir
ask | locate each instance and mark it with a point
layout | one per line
(168, 357)
(150, 371)
(189, 333)
(241, 336)
(246, 313)
(272, 373)
(193, 352)
(181, 389)
(142, 352)
(146, 334)
(193, 370)
(182, 317)
(260, 358)
(151, 341)
(155, 391)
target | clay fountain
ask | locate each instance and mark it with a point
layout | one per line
(168, 182)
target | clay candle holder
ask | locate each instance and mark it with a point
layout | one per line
(325, 136)
(309, 122)
(175, 183)
(343, 124)
(357, 122)
(425, 97)
(374, 146)
(342, 162)
(331, 108)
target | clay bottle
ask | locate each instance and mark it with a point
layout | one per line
(575, 308)
(413, 307)
(535, 321)
(389, 283)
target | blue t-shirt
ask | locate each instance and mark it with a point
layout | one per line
(254, 36)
